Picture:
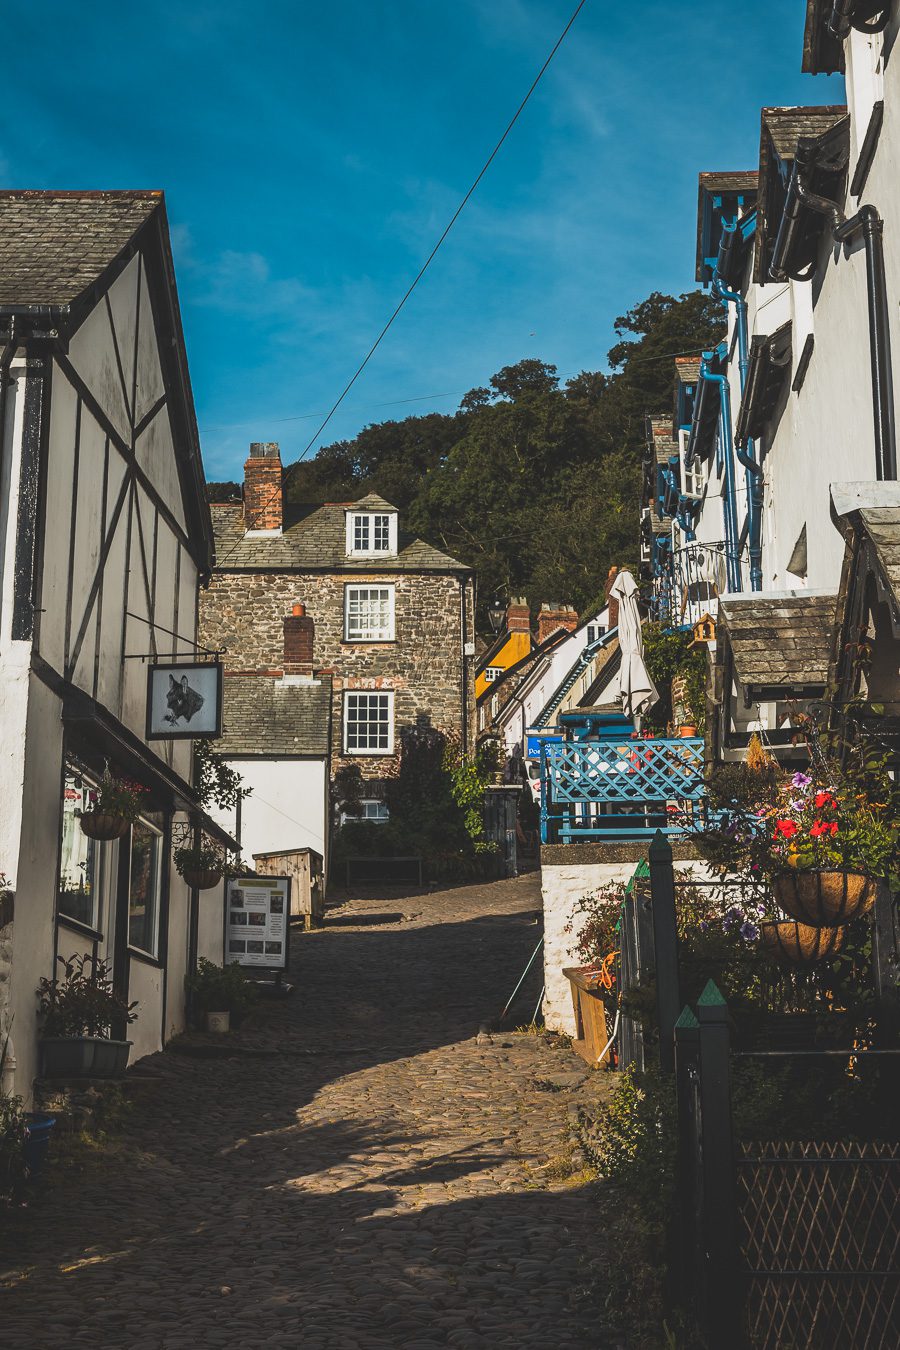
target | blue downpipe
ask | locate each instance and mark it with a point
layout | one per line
(729, 504)
(746, 458)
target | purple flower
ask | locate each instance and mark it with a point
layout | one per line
(749, 931)
(801, 780)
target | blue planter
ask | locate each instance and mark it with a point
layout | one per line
(37, 1140)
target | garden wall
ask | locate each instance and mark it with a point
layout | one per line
(569, 871)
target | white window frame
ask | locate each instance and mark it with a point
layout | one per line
(693, 479)
(153, 950)
(492, 673)
(92, 848)
(371, 634)
(352, 694)
(375, 522)
(380, 817)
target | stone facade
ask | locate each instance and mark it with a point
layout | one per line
(245, 612)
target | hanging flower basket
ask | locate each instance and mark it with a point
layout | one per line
(799, 944)
(104, 825)
(202, 879)
(823, 898)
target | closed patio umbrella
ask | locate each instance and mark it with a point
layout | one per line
(638, 690)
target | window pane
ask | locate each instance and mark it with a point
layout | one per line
(143, 891)
(370, 613)
(79, 858)
(361, 534)
(382, 533)
(368, 722)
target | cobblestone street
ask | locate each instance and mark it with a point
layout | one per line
(362, 1171)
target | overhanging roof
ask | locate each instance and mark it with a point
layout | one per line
(823, 53)
(874, 510)
(780, 131)
(769, 367)
(780, 640)
(737, 190)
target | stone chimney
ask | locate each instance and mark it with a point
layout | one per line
(518, 615)
(299, 641)
(554, 616)
(262, 488)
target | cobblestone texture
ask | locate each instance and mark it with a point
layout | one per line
(364, 1170)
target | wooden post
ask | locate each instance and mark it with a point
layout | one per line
(665, 943)
(719, 1304)
(684, 1238)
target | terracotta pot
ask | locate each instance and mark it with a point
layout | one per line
(797, 944)
(102, 825)
(824, 899)
(687, 731)
(202, 879)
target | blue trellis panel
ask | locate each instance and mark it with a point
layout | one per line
(626, 789)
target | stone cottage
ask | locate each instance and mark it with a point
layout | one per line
(333, 607)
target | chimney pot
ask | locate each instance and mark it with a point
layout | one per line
(298, 611)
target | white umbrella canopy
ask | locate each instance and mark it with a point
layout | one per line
(638, 690)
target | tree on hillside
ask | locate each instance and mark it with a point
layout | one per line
(535, 486)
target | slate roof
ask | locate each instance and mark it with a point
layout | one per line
(315, 540)
(263, 716)
(780, 129)
(660, 438)
(874, 508)
(742, 181)
(822, 52)
(780, 640)
(687, 369)
(54, 245)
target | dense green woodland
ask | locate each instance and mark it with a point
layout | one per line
(534, 485)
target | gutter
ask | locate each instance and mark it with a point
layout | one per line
(842, 18)
(869, 223)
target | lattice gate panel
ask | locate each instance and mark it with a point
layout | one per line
(820, 1240)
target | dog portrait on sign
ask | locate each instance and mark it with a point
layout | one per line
(184, 701)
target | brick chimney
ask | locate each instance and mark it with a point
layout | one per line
(554, 616)
(262, 487)
(613, 619)
(518, 615)
(299, 641)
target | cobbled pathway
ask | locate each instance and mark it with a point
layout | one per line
(362, 1170)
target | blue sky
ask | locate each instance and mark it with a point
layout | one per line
(311, 155)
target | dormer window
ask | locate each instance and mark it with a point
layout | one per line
(371, 534)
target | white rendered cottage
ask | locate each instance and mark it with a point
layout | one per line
(105, 537)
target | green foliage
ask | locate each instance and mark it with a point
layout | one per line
(206, 857)
(221, 989)
(595, 922)
(217, 783)
(535, 485)
(667, 654)
(469, 776)
(13, 1124)
(82, 1002)
(631, 1139)
(118, 797)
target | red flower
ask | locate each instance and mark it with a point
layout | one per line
(824, 827)
(824, 799)
(785, 829)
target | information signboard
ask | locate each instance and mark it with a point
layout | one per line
(257, 922)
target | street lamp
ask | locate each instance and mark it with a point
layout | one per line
(496, 613)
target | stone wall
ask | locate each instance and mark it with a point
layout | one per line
(568, 872)
(245, 612)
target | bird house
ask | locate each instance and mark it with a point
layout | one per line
(704, 630)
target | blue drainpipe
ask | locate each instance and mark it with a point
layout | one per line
(729, 505)
(746, 458)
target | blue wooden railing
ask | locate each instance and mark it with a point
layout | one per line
(620, 789)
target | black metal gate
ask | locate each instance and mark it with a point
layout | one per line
(819, 1238)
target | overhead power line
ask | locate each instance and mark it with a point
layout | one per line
(427, 263)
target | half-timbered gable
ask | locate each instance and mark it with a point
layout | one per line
(106, 539)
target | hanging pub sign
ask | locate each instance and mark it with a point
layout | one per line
(184, 701)
(257, 922)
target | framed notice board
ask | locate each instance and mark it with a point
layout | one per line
(257, 922)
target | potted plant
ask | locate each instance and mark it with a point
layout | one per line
(800, 944)
(828, 846)
(115, 806)
(201, 865)
(78, 1012)
(221, 995)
